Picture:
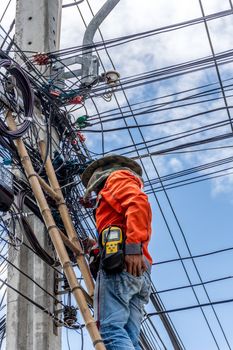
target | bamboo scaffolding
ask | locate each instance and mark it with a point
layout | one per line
(69, 244)
(47, 188)
(56, 239)
(64, 213)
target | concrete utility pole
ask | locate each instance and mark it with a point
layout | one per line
(37, 29)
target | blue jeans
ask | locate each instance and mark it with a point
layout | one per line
(119, 301)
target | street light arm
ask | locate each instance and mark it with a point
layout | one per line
(90, 32)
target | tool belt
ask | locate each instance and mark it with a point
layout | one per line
(110, 257)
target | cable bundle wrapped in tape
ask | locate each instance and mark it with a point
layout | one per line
(24, 85)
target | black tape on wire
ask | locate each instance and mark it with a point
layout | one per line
(24, 85)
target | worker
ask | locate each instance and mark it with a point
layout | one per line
(123, 221)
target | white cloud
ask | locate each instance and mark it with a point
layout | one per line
(175, 164)
(155, 52)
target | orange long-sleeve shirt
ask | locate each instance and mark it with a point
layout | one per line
(122, 203)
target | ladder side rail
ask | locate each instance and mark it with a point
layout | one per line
(65, 216)
(56, 239)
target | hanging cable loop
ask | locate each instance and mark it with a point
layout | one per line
(24, 86)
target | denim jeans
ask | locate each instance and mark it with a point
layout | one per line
(119, 301)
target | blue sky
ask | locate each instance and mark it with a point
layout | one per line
(204, 210)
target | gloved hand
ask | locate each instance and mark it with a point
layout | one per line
(135, 264)
(88, 244)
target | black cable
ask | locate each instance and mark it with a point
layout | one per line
(67, 339)
(31, 235)
(174, 96)
(194, 285)
(169, 72)
(172, 333)
(191, 181)
(27, 93)
(4, 12)
(220, 82)
(46, 311)
(30, 248)
(32, 280)
(156, 108)
(142, 35)
(184, 145)
(190, 171)
(72, 4)
(191, 307)
(161, 122)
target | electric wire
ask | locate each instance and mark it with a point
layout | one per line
(194, 256)
(39, 306)
(194, 285)
(129, 38)
(219, 302)
(111, 130)
(168, 121)
(219, 78)
(206, 293)
(4, 12)
(139, 156)
(32, 280)
(171, 328)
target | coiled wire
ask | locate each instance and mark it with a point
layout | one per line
(24, 85)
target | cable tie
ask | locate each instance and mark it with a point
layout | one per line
(51, 226)
(44, 210)
(31, 175)
(61, 202)
(67, 264)
(76, 287)
(24, 158)
(97, 342)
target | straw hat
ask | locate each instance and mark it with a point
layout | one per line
(108, 162)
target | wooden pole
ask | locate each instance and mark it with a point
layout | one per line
(63, 210)
(56, 239)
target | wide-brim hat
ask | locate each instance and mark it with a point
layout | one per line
(108, 160)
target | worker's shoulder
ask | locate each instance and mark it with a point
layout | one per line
(124, 175)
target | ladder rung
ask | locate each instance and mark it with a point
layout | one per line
(81, 296)
(47, 188)
(71, 245)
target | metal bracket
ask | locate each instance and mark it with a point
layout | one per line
(89, 63)
(92, 63)
(87, 69)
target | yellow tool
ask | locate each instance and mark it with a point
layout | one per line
(112, 239)
(112, 256)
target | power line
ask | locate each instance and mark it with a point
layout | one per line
(46, 311)
(193, 285)
(225, 301)
(32, 280)
(194, 256)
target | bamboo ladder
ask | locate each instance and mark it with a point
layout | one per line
(60, 241)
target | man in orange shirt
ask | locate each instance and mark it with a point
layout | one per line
(121, 289)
